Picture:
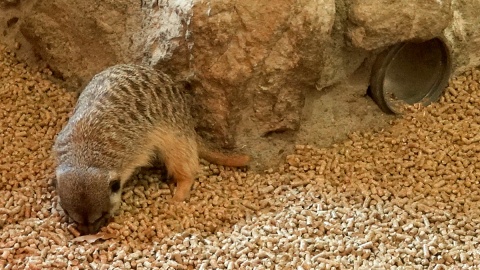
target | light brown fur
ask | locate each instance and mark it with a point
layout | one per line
(223, 159)
(125, 117)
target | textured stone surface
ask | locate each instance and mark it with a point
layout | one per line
(463, 35)
(378, 23)
(165, 40)
(9, 3)
(250, 61)
(79, 38)
(260, 58)
(11, 15)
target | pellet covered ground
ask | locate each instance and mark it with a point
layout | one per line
(406, 197)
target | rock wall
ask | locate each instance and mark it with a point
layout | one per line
(77, 38)
(266, 74)
(375, 24)
(463, 34)
(12, 13)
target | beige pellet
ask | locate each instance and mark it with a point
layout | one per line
(405, 196)
(300, 183)
(73, 230)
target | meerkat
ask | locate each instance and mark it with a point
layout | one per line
(125, 117)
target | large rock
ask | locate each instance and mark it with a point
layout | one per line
(259, 62)
(379, 23)
(455, 21)
(165, 40)
(11, 14)
(79, 38)
(266, 74)
(250, 61)
(463, 35)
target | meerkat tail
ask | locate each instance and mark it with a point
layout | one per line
(229, 160)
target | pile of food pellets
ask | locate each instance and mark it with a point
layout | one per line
(406, 197)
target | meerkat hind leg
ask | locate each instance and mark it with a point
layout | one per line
(181, 162)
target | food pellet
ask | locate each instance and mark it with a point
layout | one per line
(404, 197)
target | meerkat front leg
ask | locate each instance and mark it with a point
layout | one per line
(171, 186)
(184, 185)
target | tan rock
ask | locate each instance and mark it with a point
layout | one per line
(79, 38)
(255, 65)
(463, 35)
(378, 23)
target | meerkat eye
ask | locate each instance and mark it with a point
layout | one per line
(115, 186)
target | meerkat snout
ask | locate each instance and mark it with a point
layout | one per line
(89, 196)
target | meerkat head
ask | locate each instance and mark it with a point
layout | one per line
(89, 196)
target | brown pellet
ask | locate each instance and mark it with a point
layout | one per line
(402, 197)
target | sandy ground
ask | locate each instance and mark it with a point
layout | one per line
(405, 197)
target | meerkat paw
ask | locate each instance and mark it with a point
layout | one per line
(174, 201)
(180, 195)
